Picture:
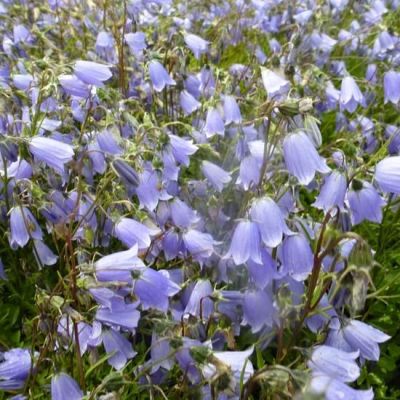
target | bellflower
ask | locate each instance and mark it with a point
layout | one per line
(334, 389)
(188, 103)
(214, 123)
(297, 257)
(391, 86)
(365, 338)
(74, 86)
(274, 84)
(52, 152)
(387, 174)
(269, 218)
(63, 387)
(15, 367)
(245, 243)
(231, 111)
(258, 310)
(131, 232)
(332, 192)
(126, 316)
(200, 245)
(92, 73)
(215, 175)
(153, 288)
(199, 303)
(119, 347)
(335, 363)
(182, 149)
(196, 44)
(301, 158)
(159, 76)
(350, 95)
(136, 42)
(23, 226)
(365, 204)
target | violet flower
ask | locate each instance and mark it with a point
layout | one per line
(92, 73)
(159, 76)
(301, 158)
(387, 174)
(63, 387)
(52, 152)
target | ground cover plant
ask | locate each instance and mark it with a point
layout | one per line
(199, 199)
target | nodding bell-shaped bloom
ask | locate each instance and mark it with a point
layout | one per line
(23, 226)
(125, 316)
(119, 347)
(118, 266)
(297, 257)
(131, 232)
(196, 44)
(214, 123)
(332, 192)
(391, 86)
(245, 243)
(52, 152)
(199, 303)
(365, 204)
(159, 76)
(45, 255)
(333, 389)
(153, 288)
(136, 42)
(188, 103)
(235, 363)
(63, 387)
(301, 158)
(182, 215)
(15, 367)
(231, 111)
(387, 174)
(92, 73)
(365, 338)
(269, 218)
(182, 149)
(215, 175)
(258, 310)
(350, 95)
(199, 244)
(335, 363)
(274, 84)
(74, 86)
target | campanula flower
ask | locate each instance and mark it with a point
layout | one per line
(391, 86)
(301, 158)
(196, 44)
(188, 102)
(159, 76)
(92, 73)
(245, 243)
(231, 111)
(365, 338)
(350, 95)
(214, 123)
(52, 152)
(332, 193)
(15, 367)
(131, 232)
(335, 363)
(269, 218)
(215, 175)
(63, 387)
(23, 226)
(119, 347)
(387, 174)
(274, 84)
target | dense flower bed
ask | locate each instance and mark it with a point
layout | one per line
(182, 189)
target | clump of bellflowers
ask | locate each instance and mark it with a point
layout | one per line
(195, 197)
